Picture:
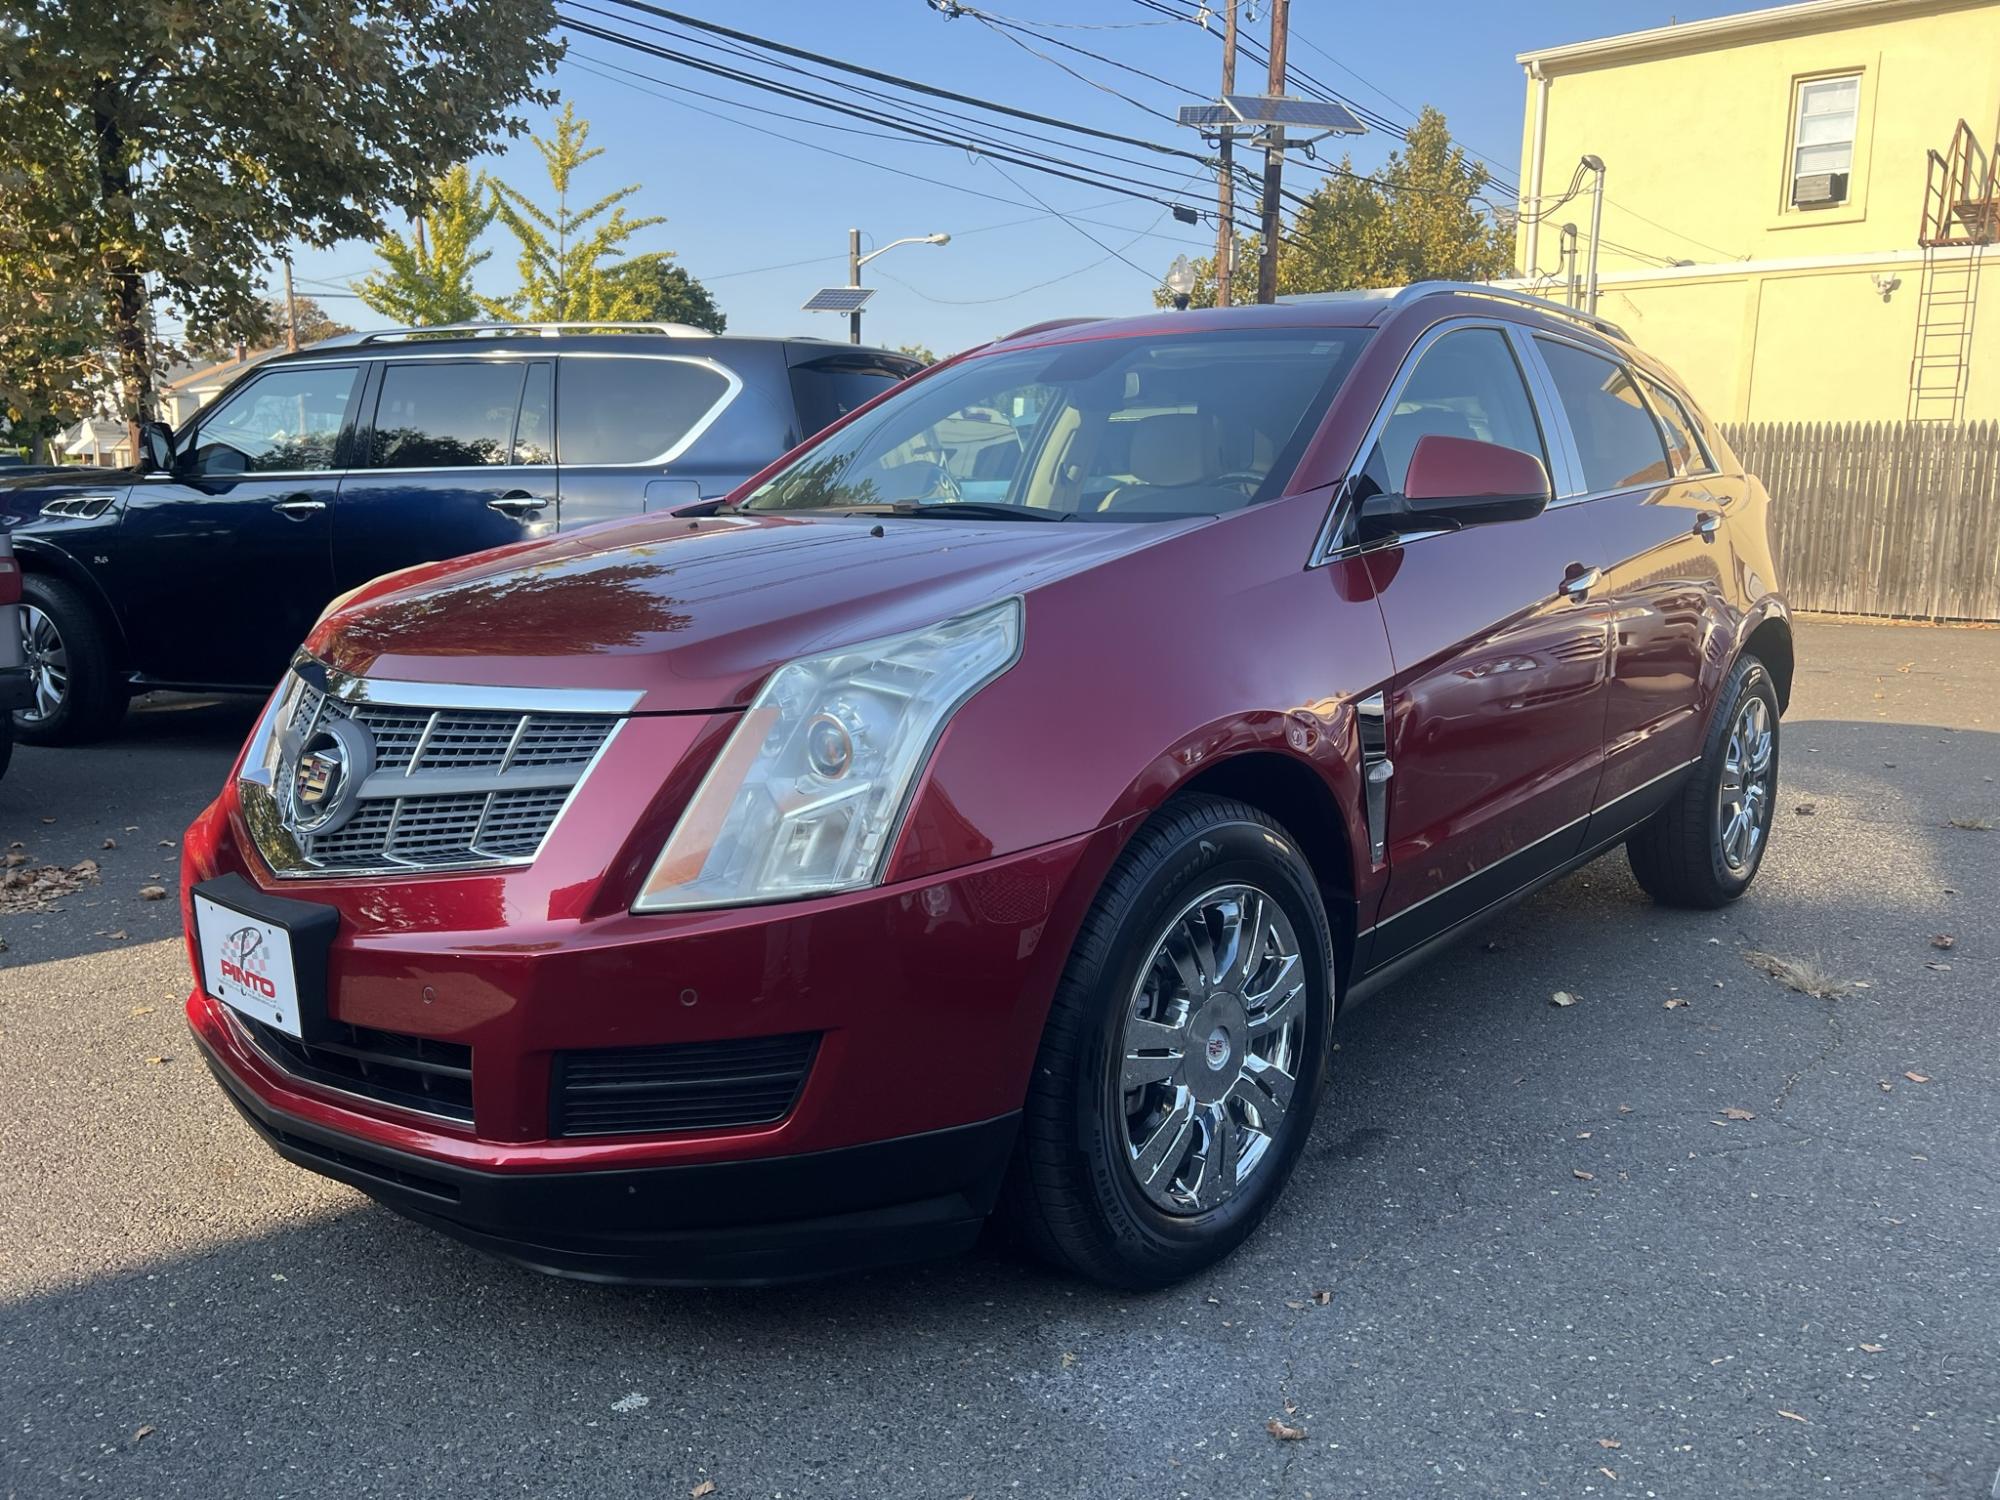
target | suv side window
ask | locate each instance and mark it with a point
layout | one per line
(1683, 441)
(1617, 439)
(828, 389)
(437, 414)
(618, 410)
(286, 420)
(1466, 385)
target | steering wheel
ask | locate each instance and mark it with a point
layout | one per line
(1248, 482)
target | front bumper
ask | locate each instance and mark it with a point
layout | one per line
(719, 1223)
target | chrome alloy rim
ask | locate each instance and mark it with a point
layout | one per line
(1743, 806)
(47, 660)
(1214, 1029)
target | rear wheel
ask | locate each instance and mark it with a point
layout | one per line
(1180, 1069)
(77, 692)
(1704, 847)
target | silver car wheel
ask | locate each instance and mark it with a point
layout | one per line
(1210, 1049)
(1743, 804)
(47, 660)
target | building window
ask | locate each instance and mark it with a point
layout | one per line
(1823, 141)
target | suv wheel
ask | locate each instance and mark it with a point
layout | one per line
(77, 693)
(1181, 1065)
(1704, 847)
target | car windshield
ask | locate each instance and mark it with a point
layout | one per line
(1107, 429)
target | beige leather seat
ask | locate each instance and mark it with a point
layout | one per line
(1176, 458)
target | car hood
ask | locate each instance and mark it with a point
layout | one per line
(695, 614)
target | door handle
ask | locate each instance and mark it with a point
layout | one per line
(516, 503)
(1706, 524)
(298, 507)
(1579, 581)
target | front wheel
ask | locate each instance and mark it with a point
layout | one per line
(1704, 847)
(1181, 1065)
(78, 694)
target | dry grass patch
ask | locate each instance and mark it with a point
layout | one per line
(1802, 974)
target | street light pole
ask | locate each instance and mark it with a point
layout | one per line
(854, 279)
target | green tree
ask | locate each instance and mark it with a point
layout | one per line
(427, 279)
(919, 352)
(1421, 218)
(564, 278)
(661, 292)
(54, 346)
(185, 143)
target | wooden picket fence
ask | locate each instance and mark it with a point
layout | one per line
(1882, 518)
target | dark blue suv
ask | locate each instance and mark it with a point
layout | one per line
(204, 567)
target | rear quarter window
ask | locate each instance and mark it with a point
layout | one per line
(1616, 437)
(824, 393)
(620, 409)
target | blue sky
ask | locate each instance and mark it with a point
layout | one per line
(738, 201)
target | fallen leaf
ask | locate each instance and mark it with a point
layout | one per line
(1563, 998)
(144, 1432)
(1068, 1360)
(1322, 1298)
(1806, 809)
(1293, 1304)
(1873, 1348)
(110, 844)
(119, 934)
(706, 1487)
(152, 893)
(16, 858)
(631, 1401)
(1607, 1473)
(1674, 1004)
(1291, 1408)
(1970, 825)
(166, 843)
(1791, 1414)
(1733, 1113)
(141, 1010)
(1943, 940)
(1918, 1077)
(1609, 1443)
(1284, 1432)
(48, 820)
(1624, 1109)
(1940, 968)
(155, 1062)
(1582, 1176)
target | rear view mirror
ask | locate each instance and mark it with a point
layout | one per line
(1454, 482)
(156, 447)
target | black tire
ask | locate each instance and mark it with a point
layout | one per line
(1678, 854)
(1072, 1194)
(95, 698)
(6, 742)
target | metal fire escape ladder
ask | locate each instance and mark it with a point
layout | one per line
(1960, 216)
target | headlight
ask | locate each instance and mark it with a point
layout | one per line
(806, 796)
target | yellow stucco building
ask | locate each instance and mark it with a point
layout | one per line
(1769, 180)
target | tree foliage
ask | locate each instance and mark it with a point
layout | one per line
(1420, 219)
(53, 350)
(184, 142)
(919, 352)
(659, 291)
(263, 327)
(427, 279)
(565, 277)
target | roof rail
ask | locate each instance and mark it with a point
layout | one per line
(540, 330)
(1419, 290)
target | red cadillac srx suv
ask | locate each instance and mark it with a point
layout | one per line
(987, 810)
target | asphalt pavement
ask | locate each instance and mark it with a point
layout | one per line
(1744, 1245)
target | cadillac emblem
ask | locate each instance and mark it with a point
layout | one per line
(323, 782)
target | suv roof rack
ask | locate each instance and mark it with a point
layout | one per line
(1417, 291)
(540, 330)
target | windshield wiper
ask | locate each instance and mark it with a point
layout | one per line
(978, 510)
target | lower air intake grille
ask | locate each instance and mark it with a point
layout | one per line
(687, 1086)
(412, 1072)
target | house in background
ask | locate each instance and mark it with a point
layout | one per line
(188, 388)
(1797, 202)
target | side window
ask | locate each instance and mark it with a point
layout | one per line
(283, 421)
(1616, 437)
(437, 414)
(535, 433)
(617, 410)
(1683, 442)
(1466, 385)
(827, 390)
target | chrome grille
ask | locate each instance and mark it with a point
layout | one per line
(451, 788)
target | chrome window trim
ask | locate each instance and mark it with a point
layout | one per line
(1652, 387)
(732, 388)
(1555, 435)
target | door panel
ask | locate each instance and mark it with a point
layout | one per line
(1662, 582)
(1495, 715)
(221, 567)
(457, 458)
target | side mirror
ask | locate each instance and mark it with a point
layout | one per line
(156, 447)
(1454, 482)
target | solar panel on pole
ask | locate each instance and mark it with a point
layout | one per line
(838, 299)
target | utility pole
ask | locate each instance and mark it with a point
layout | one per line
(1274, 160)
(854, 279)
(291, 311)
(1225, 186)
